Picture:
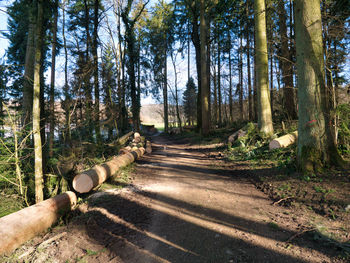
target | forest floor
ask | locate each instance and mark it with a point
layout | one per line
(187, 203)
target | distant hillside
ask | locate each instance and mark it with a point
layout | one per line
(152, 113)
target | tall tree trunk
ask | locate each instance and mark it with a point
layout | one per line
(219, 83)
(188, 53)
(173, 60)
(286, 64)
(197, 46)
(264, 107)
(250, 98)
(271, 79)
(121, 80)
(67, 98)
(96, 80)
(29, 68)
(216, 112)
(52, 86)
(39, 177)
(255, 90)
(208, 71)
(165, 94)
(240, 72)
(204, 85)
(316, 146)
(230, 80)
(87, 88)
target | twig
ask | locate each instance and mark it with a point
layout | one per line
(300, 233)
(50, 240)
(281, 200)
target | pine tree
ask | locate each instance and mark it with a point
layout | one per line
(189, 101)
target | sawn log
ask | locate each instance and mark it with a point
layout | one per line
(21, 226)
(284, 141)
(86, 181)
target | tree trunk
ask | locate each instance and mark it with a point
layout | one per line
(52, 86)
(250, 99)
(230, 80)
(67, 98)
(240, 72)
(95, 70)
(165, 94)
(29, 69)
(21, 226)
(219, 83)
(216, 112)
(316, 146)
(197, 47)
(39, 177)
(208, 71)
(286, 64)
(204, 79)
(264, 107)
(87, 89)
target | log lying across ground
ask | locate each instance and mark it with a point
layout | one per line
(21, 226)
(122, 140)
(284, 141)
(86, 181)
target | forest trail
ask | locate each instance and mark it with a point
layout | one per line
(183, 206)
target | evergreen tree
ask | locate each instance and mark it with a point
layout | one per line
(189, 101)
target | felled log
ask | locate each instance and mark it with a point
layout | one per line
(148, 147)
(137, 138)
(86, 181)
(122, 140)
(284, 141)
(124, 150)
(238, 134)
(21, 226)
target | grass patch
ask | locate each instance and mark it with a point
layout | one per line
(9, 205)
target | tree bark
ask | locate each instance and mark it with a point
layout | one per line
(316, 146)
(204, 79)
(240, 72)
(86, 181)
(264, 106)
(52, 85)
(95, 70)
(250, 98)
(39, 177)
(219, 82)
(29, 69)
(286, 64)
(165, 94)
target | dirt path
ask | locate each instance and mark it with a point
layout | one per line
(183, 207)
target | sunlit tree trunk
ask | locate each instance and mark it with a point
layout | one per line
(264, 106)
(95, 70)
(39, 177)
(29, 69)
(165, 94)
(316, 146)
(250, 98)
(204, 79)
(240, 72)
(286, 64)
(219, 83)
(52, 85)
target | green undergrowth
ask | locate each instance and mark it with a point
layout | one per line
(10, 204)
(254, 147)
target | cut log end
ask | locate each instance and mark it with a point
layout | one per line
(83, 183)
(284, 141)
